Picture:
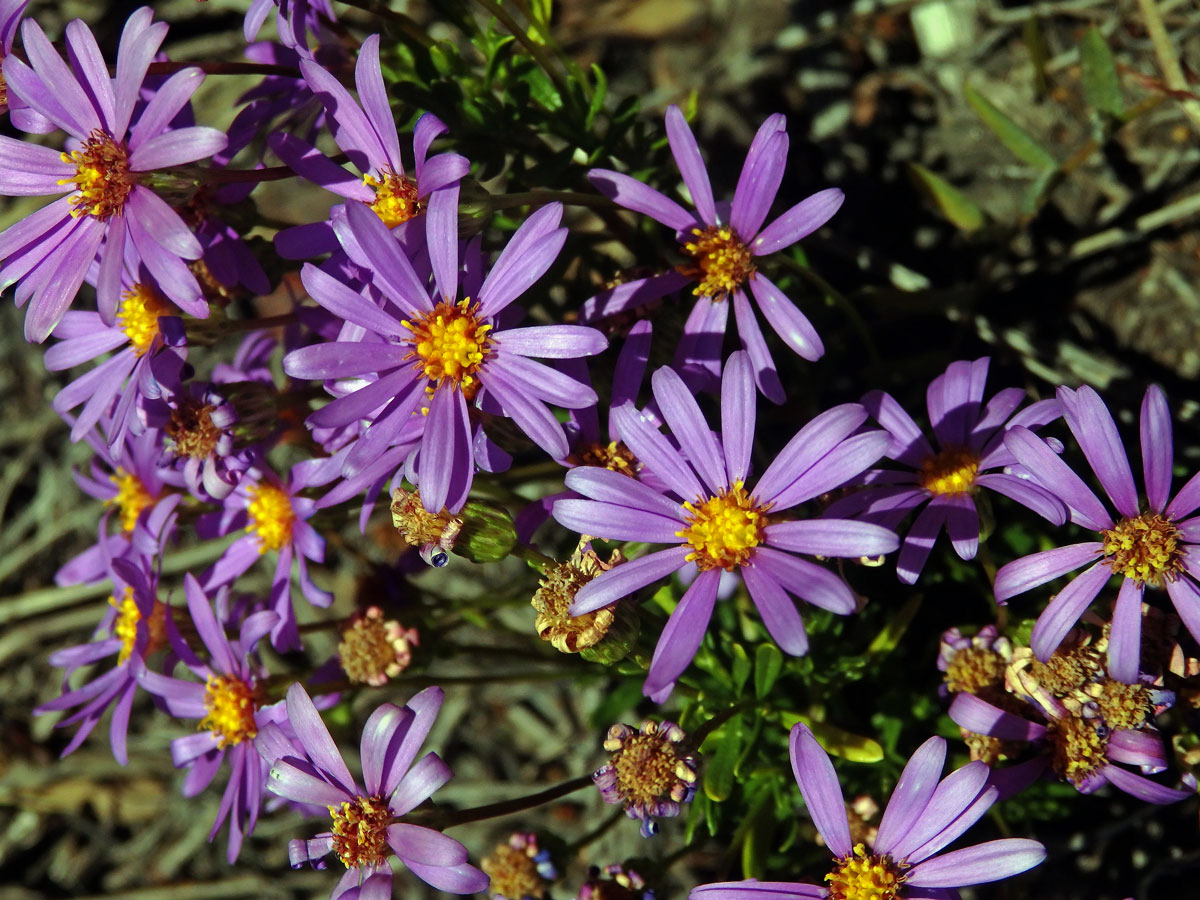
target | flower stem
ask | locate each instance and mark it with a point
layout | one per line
(224, 68)
(516, 805)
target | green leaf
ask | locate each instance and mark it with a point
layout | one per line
(740, 667)
(598, 94)
(1011, 135)
(542, 89)
(758, 828)
(622, 698)
(957, 207)
(889, 636)
(837, 741)
(768, 662)
(1101, 86)
(718, 774)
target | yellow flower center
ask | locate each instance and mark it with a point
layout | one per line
(271, 516)
(865, 876)
(126, 625)
(138, 316)
(373, 649)
(230, 703)
(132, 497)
(722, 261)
(1077, 748)
(450, 343)
(360, 831)
(648, 764)
(974, 668)
(102, 176)
(724, 530)
(395, 198)
(1122, 705)
(1144, 548)
(949, 472)
(192, 430)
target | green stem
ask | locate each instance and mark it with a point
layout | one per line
(533, 557)
(242, 176)
(575, 846)
(399, 20)
(516, 805)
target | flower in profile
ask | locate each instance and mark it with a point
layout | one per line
(519, 868)
(108, 161)
(602, 635)
(231, 709)
(970, 437)
(650, 773)
(723, 245)
(1150, 545)
(10, 18)
(367, 821)
(443, 354)
(923, 816)
(720, 524)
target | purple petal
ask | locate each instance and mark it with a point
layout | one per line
(919, 542)
(313, 736)
(953, 400)
(445, 450)
(208, 627)
(819, 786)
(140, 41)
(1185, 596)
(1027, 493)
(155, 121)
(163, 224)
(766, 376)
(757, 890)
(344, 359)
(962, 523)
(1125, 637)
(1094, 429)
(308, 162)
(348, 304)
(425, 846)
(505, 283)
(847, 461)
(626, 579)
(553, 341)
(419, 783)
(460, 879)
(616, 523)
(957, 803)
(441, 237)
(1065, 608)
(1028, 572)
(638, 292)
(912, 794)
(355, 134)
(760, 179)
(908, 445)
(1143, 788)
(653, 450)
(737, 415)
(832, 537)
(807, 580)
(683, 417)
(377, 748)
(970, 712)
(990, 861)
(391, 269)
(295, 784)
(691, 166)
(777, 609)
(811, 443)
(798, 222)
(529, 412)
(621, 490)
(443, 171)
(361, 403)
(368, 78)
(1157, 456)
(632, 194)
(786, 319)
(538, 381)
(425, 132)
(698, 353)
(1137, 748)
(680, 638)
(81, 116)
(1186, 500)
(183, 145)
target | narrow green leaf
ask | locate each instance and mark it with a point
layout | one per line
(718, 774)
(1101, 86)
(768, 662)
(837, 741)
(542, 89)
(599, 92)
(758, 829)
(1011, 135)
(957, 207)
(740, 667)
(889, 636)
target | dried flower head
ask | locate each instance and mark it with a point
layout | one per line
(519, 868)
(649, 772)
(434, 533)
(609, 626)
(374, 649)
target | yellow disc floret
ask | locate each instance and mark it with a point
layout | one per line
(450, 343)
(865, 876)
(138, 316)
(724, 530)
(271, 516)
(230, 704)
(395, 197)
(131, 498)
(360, 831)
(102, 176)
(1144, 548)
(126, 624)
(949, 472)
(722, 261)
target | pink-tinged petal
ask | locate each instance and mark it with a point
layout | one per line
(737, 415)
(912, 794)
(798, 222)
(1125, 636)
(908, 444)
(956, 804)
(1065, 608)
(1137, 748)
(424, 845)
(760, 179)
(44, 110)
(183, 145)
(1143, 788)
(445, 450)
(350, 305)
(288, 781)
(681, 637)
(155, 121)
(683, 417)
(163, 224)
(441, 238)
(1185, 596)
(811, 443)
(505, 284)
(626, 579)
(687, 157)
(553, 341)
(632, 194)
(313, 736)
(460, 879)
(28, 235)
(1185, 502)
(419, 783)
(970, 712)
(140, 41)
(631, 294)
(616, 523)
(27, 166)
(832, 537)
(758, 890)
(766, 376)
(1030, 571)
(425, 706)
(777, 609)
(608, 486)
(76, 113)
(654, 451)
(810, 582)
(1094, 429)
(344, 359)
(980, 864)
(377, 744)
(368, 78)
(1027, 493)
(819, 786)
(79, 350)
(1157, 455)
(786, 318)
(919, 541)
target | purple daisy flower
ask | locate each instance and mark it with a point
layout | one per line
(229, 707)
(107, 160)
(367, 829)
(367, 134)
(717, 522)
(1154, 544)
(441, 354)
(923, 816)
(10, 18)
(198, 423)
(970, 436)
(723, 244)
